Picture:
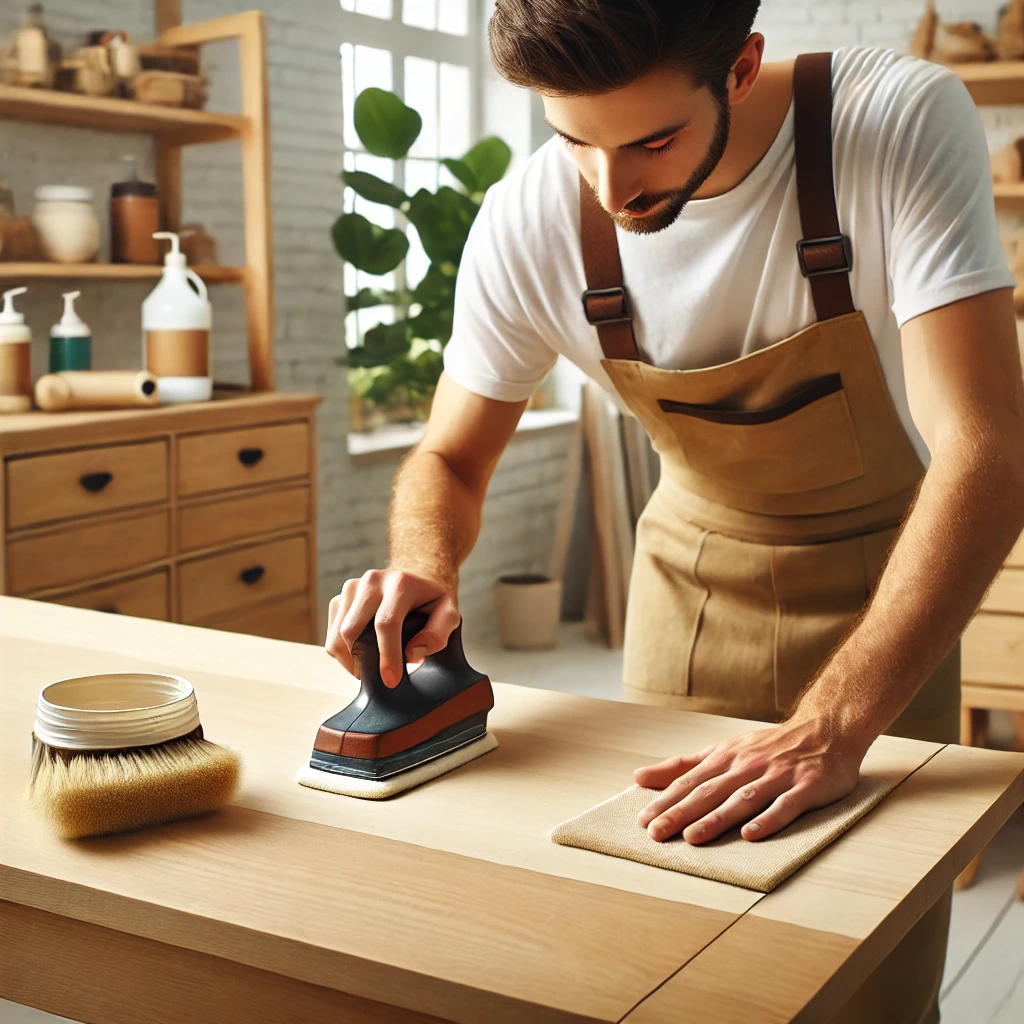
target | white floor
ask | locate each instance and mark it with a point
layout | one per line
(984, 982)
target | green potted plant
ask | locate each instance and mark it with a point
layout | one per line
(394, 367)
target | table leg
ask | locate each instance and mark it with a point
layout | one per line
(973, 733)
(1018, 730)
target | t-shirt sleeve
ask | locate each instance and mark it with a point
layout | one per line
(497, 349)
(945, 242)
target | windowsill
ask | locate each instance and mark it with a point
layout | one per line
(399, 437)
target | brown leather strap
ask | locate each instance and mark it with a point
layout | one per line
(605, 303)
(824, 252)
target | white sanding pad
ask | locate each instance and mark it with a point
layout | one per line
(378, 789)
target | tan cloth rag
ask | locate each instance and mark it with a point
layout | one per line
(612, 828)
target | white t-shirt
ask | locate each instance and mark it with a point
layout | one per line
(914, 192)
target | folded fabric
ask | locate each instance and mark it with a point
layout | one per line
(612, 828)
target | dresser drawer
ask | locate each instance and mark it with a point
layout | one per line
(145, 597)
(214, 523)
(41, 488)
(87, 552)
(214, 586)
(227, 459)
(992, 650)
(281, 620)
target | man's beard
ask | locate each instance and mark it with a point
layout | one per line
(670, 204)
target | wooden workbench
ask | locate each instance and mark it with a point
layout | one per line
(449, 902)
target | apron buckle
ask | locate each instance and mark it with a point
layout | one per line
(606, 306)
(820, 256)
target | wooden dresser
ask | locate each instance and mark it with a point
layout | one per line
(202, 514)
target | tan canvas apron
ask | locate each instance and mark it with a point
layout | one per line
(785, 475)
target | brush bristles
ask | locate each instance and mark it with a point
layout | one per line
(95, 793)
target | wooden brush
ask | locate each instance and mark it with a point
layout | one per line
(113, 753)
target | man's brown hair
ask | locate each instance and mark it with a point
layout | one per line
(587, 47)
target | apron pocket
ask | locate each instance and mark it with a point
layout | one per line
(803, 444)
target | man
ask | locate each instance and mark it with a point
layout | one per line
(840, 421)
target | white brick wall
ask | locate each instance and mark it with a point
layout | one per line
(793, 26)
(306, 113)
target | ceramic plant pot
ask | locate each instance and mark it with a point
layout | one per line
(529, 609)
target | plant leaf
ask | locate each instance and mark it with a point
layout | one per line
(375, 189)
(433, 323)
(463, 173)
(384, 124)
(368, 246)
(436, 288)
(443, 220)
(366, 298)
(381, 345)
(488, 161)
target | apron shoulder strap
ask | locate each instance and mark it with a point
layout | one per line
(605, 304)
(825, 253)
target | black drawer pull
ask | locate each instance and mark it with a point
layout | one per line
(252, 575)
(95, 482)
(250, 456)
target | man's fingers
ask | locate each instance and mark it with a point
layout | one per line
(699, 801)
(785, 809)
(334, 643)
(745, 803)
(366, 598)
(701, 776)
(658, 776)
(444, 618)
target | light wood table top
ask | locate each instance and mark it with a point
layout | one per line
(448, 902)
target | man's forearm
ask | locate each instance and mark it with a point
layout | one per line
(968, 514)
(434, 519)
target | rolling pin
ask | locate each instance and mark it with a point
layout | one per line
(88, 389)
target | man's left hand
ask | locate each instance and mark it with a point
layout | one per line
(764, 779)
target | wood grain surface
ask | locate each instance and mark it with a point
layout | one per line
(450, 901)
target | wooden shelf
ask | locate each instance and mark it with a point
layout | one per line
(116, 115)
(993, 83)
(1009, 195)
(109, 272)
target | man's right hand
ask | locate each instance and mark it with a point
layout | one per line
(387, 596)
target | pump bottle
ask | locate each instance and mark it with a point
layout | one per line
(176, 319)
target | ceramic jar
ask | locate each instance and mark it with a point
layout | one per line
(67, 223)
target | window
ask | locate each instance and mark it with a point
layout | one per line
(425, 51)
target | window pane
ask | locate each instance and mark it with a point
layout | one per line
(361, 68)
(453, 17)
(348, 93)
(383, 168)
(421, 94)
(374, 8)
(416, 261)
(420, 174)
(455, 108)
(421, 13)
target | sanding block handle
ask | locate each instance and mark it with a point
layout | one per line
(441, 674)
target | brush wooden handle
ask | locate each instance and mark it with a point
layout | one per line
(91, 389)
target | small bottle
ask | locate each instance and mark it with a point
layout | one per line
(176, 320)
(134, 219)
(70, 340)
(15, 357)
